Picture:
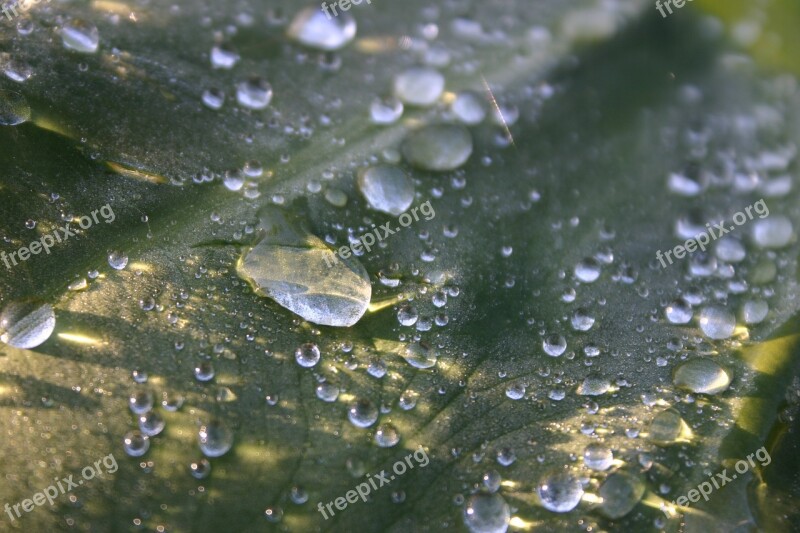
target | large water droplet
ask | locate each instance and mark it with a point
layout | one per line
(560, 492)
(386, 188)
(679, 311)
(717, 323)
(307, 355)
(254, 93)
(362, 413)
(620, 493)
(80, 36)
(420, 86)
(420, 355)
(14, 109)
(387, 436)
(135, 443)
(702, 376)
(311, 27)
(440, 147)
(487, 513)
(598, 457)
(26, 324)
(469, 108)
(215, 438)
(774, 232)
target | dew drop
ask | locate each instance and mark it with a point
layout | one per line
(215, 438)
(386, 189)
(560, 492)
(80, 36)
(26, 324)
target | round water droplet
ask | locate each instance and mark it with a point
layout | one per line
(554, 345)
(313, 28)
(701, 376)
(419, 86)
(80, 36)
(679, 311)
(117, 260)
(387, 436)
(254, 93)
(440, 147)
(730, 250)
(598, 457)
(594, 385)
(582, 320)
(717, 323)
(420, 355)
(204, 371)
(327, 392)
(26, 324)
(619, 494)
(588, 270)
(666, 427)
(407, 315)
(224, 56)
(754, 311)
(362, 413)
(151, 423)
(491, 480)
(307, 355)
(386, 188)
(200, 469)
(774, 232)
(385, 110)
(560, 492)
(135, 443)
(14, 109)
(516, 391)
(469, 108)
(487, 513)
(140, 401)
(214, 98)
(215, 438)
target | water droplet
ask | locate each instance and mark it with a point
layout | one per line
(26, 324)
(215, 438)
(224, 56)
(515, 391)
(469, 108)
(362, 413)
(702, 376)
(594, 385)
(679, 311)
(200, 469)
(560, 492)
(487, 513)
(667, 427)
(307, 355)
(313, 28)
(407, 315)
(214, 98)
(387, 436)
(254, 93)
(327, 392)
(554, 344)
(140, 402)
(730, 250)
(420, 355)
(774, 232)
(440, 147)
(80, 36)
(14, 109)
(419, 86)
(386, 188)
(172, 402)
(598, 457)
(754, 311)
(619, 494)
(117, 260)
(204, 371)
(582, 320)
(717, 323)
(386, 110)
(151, 423)
(136, 444)
(273, 514)
(588, 270)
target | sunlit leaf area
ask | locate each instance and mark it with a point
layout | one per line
(402, 266)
